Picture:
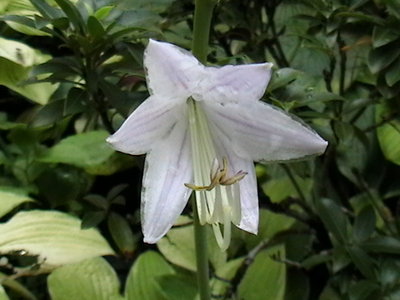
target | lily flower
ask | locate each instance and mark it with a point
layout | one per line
(202, 128)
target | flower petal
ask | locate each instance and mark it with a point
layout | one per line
(248, 196)
(234, 83)
(249, 211)
(171, 71)
(261, 132)
(164, 196)
(150, 122)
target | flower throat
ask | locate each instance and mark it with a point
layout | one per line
(217, 193)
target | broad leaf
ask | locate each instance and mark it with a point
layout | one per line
(88, 280)
(16, 61)
(178, 287)
(144, 276)
(9, 199)
(87, 150)
(265, 276)
(55, 237)
(178, 247)
(3, 294)
(225, 273)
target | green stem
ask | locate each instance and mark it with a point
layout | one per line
(201, 28)
(201, 34)
(200, 239)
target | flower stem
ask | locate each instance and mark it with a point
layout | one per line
(201, 28)
(200, 239)
(201, 34)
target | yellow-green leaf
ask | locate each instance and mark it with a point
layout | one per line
(55, 237)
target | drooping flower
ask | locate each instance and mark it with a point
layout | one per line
(202, 128)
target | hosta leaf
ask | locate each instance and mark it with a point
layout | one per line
(10, 199)
(16, 61)
(88, 280)
(265, 277)
(55, 237)
(87, 150)
(142, 282)
(3, 294)
(178, 247)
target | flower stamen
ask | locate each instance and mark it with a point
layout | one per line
(219, 176)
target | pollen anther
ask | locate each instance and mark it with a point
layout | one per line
(218, 176)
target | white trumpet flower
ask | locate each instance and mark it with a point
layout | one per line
(202, 128)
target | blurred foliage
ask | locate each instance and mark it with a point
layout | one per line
(71, 72)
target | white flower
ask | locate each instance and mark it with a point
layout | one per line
(202, 128)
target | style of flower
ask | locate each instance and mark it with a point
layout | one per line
(202, 128)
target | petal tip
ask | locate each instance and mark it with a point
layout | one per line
(150, 239)
(268, 65)
(320, 146)
(111, 140)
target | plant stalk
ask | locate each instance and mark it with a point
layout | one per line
(201, 34)
(201, 28)
(200, 239)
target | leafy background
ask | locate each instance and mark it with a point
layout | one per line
(71, 72)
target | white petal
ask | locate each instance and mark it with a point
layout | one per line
(261, 132)
(150, 122)
(247, 186)
(234, 83)
(164, 196)
(248, 196)
(171, 71)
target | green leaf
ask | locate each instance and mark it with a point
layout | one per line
(143, 281)
(280, 188)
(178, 247)
(16, 61)
(73, 14)
(362, 289)
(62, 184)
(92, 219)
(3, 294)
(283, 77)
(18, 15)
(95, 28)
(392, 76)
(270, 224)
(122, 233)
(103, 12)
(265, 276)
(384, 244)
(333, 218)
(23, 24)
(383, 35)
(15, 286)
(10, 199)
(362, 261)
(364, 224)
(91, 279)
(84, 150)
(297, 286)
(329, 293)
(47, 11)
(382, 57)
(178, 287)
(55, 237)
(226, 272)
(351, 163)
(388, 135)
